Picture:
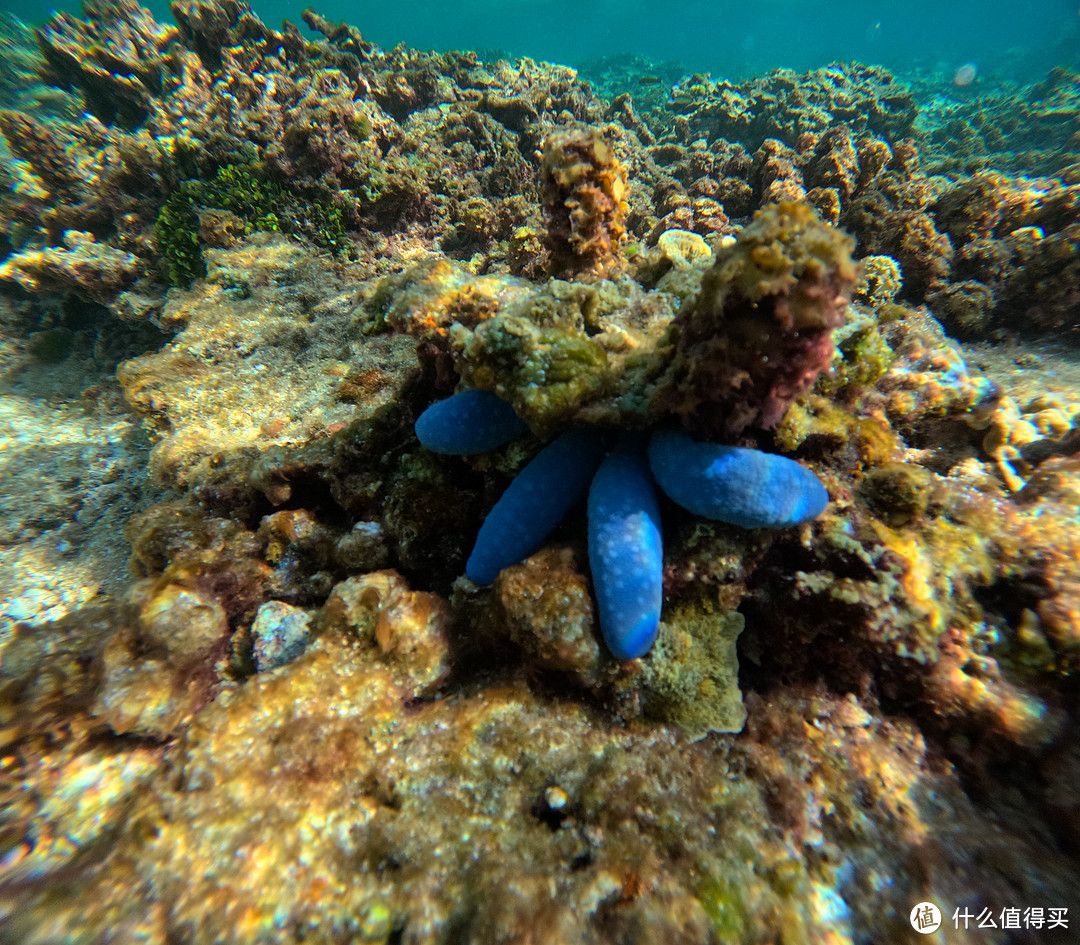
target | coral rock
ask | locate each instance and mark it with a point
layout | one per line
(544, 605)
(118, 56)
(408, 628)
(584, 186)
(691, 678)
(760, 331)
(684, 250)
(183, 622)
(90, 269)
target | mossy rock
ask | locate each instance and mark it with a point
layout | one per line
(260, 204)
(692, 673)
(546, 373)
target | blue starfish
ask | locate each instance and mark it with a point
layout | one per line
(743, 487)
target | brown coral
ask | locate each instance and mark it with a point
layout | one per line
(760, 331)
(583, 188)
(118, 56)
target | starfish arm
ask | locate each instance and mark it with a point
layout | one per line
(473, 421)
(739, 486)
(626, 552)
(535, 502)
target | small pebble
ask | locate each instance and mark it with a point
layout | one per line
(555, 798)
(281, 634)
(29, 603)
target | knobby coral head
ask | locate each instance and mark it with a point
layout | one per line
(760, 330)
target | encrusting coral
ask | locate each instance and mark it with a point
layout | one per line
(760, 330)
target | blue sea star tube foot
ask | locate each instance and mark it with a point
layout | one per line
(739, 486)
(536, 501)
(626, 552)
(473, 421)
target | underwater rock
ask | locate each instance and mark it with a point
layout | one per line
(182, 622)
(118, 56)
(363, 548)
(964, 307)
(1038, 291)
(881, 280)
(408, 629)
(143, 697)
(280, 633)
(544, 605)
(760, 331)
(898, 492)
(182, 546)
(785, 105)
(692, 678)
(90, 269)
(892, 217)
(547, 373)
(248, 370)
(1020, 129)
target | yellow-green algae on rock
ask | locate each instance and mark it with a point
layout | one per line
(317, 802)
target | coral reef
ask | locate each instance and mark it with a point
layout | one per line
(1023, 130)
(785, 106)
(246, 692)
(285, 378)
(83, 267)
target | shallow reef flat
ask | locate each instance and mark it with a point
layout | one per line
(248, 693)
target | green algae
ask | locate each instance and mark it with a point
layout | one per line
(545, 372)
(724, 906)
(870, 440)
(250, 203)
(692, 675)
(865, 356)
(177, 232)
(897, 492)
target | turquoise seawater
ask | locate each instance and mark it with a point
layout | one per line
(1008, 40)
